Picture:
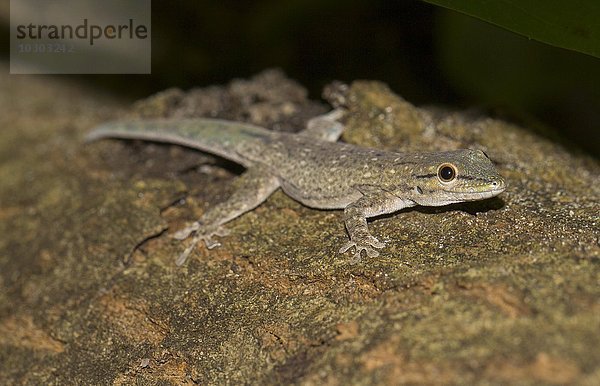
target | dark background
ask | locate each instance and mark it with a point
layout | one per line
(426, 54)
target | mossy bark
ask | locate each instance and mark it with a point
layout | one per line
(501, 291)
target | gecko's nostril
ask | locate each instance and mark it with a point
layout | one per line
(498, 184)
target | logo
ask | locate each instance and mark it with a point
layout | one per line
(80, 37)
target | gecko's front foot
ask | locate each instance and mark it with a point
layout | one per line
(366, 243)
(201, 233)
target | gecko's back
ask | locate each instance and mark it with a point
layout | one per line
(220, 137)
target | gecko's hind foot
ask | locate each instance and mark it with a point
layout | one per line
(205, 234)
(367, 244)
(208, 239)
(184, 233)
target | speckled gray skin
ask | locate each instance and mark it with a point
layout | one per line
(318, 172)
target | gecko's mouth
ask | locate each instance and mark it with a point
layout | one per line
(453, 197)
(482, 193)
(475, 193)
(489, 193)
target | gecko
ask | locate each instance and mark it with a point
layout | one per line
(314, 169)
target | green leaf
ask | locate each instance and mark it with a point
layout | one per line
(570, 24)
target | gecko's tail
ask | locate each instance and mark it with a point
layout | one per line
(100, 132)
(209, 135)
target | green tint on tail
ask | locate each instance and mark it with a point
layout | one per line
(210, 135)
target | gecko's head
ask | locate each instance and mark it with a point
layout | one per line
(455, 176)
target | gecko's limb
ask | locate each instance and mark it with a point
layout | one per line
(325, 127)
(204, 233)
(360, 237)
(251, 189)
(374, 203)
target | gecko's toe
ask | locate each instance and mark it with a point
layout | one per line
(221, 232)
(357, 257)
(372, 241)
(181, 235)
(206, 238)
(186, 253)
(368, 244)
(184, 233)
(211, 243)
(347, 246)
(371, 252)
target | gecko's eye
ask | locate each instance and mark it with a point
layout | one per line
(446, 172)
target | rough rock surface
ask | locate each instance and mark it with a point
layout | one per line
(501, 291)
